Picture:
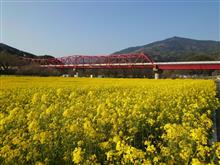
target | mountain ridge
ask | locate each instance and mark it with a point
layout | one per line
(177, 48)
(9, 50)
(170, 49)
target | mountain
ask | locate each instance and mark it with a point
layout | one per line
(10, 51)
(5, 49)
(171, 49)
(10, 59)
(178, 49)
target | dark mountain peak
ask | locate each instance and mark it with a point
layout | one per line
(177, 48)
(178, 39)
(13, 51)
(175, 38)
(8, 50)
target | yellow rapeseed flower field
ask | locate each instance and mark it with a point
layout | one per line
(106, 121)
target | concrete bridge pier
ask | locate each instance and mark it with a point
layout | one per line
(75, 72)
(76, 75)
(157, 73)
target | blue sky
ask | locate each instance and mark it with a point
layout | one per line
(62, 28)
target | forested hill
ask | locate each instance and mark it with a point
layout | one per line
(11, 62)
(179, 49)
(171, 49)
(6, 50)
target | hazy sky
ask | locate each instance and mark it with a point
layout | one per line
(62, 28)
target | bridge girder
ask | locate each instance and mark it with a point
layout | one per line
(121, 61)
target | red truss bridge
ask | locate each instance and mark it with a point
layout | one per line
(120, 61)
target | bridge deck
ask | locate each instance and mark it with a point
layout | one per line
(196, 65)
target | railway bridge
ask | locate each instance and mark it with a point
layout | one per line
(122, 61)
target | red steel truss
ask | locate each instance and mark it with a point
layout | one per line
(134, 60)
(110, 59)
(103, 59)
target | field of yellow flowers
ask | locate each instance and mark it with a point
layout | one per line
(106, 121)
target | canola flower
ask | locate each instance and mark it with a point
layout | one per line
(107, 121)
